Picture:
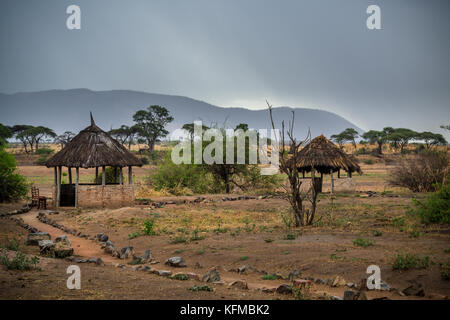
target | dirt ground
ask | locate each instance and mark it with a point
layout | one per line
(229, 234)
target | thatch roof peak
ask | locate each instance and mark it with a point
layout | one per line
(324, 156)
(93, 147)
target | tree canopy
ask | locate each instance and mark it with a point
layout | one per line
(151, 124)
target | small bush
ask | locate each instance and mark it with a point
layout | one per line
(368, 161)
(41, 160)
(377, 233)
(45, 151)
(134, 235)
(410, 261)
(12, 185)
(201, 288)
(243, 258)
(291, 236)
(398, 222)
(12, 245)
(179, 239)
(19, 262)
(148, 227)
(423, 173)
(270, 277)
(180, 276)
(361, 242)
(436, 207)
(445, 271)
(112, 176)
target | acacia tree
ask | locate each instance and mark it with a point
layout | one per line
(339, 139)
(400, 137)
(431, 139)
(151, 124)
(64, 138)
(125, 134)
(189, 127)
(378, 137)
(34, 135)
(288, 165)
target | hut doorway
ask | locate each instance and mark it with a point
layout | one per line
(67, 198)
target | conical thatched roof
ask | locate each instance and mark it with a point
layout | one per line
(324, 156)
(93, 147)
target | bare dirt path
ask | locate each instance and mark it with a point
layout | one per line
(82, 247)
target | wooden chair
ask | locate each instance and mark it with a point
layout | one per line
(38, 201)
(34, 197)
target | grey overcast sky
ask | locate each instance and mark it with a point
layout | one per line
(311, 53)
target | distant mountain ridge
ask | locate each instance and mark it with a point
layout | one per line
(68, 110)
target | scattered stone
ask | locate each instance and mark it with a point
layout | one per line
(109, 247)
(320, 281)
(46, 246)
(146, 268)
(119, 265)
(349, 295)
(97, 261)
(176, 262)
(336, 298)
(350, 285)
(34, 238)
(384, 286)
(197, 265)
(242, 269)
(62, 251)
(240, 284)
(193, 276)
(126, 252)
(338, 282)
(302, 283)
(102, 237)
(211, 276)
(284, 289)
(146, 257)
(415, 289)
(164, 273)
(269, 290)
(64, 240)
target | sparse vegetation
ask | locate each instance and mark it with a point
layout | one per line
(19, 262)
(361, 242)
(410, 261)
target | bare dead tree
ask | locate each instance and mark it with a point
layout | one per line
(288, 165)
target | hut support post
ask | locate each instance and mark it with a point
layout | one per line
(77, 179)
(349, 174)
(56, 176)
(96, 175)
(69, 170)
(58, 187)
(332, 181)
(130, 175)
(339, 173)
(103, 175)
(120, 176)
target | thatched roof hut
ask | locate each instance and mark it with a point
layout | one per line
(325, 157)
(92, 148)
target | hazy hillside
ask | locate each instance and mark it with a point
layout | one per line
(64, 110)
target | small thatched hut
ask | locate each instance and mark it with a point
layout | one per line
(323, 156)
(93, 148)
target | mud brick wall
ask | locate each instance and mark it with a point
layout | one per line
(109, 196)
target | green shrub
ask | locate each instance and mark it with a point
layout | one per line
(436, 206)
(377, 233)
(410, 261)
(133, 235)
(19, 262)
(398, 222)
(270, 277)
(445, 271)
(45, 151)
(148, 227)
(368, 161)
(12, 244)
(112, 176)
(174, 178)
(41, 160)
(361, 242)
(12, 185)
(291, 236)
(200, 288)
(180, 276)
